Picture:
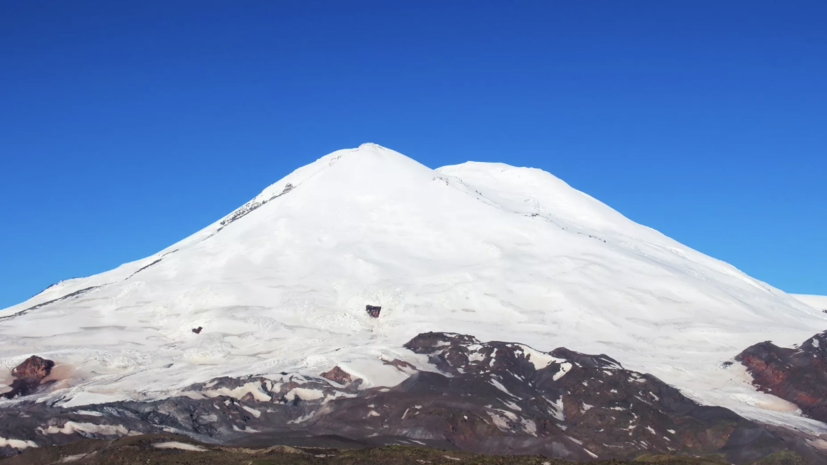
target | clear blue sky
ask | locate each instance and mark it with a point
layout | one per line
(128, 125)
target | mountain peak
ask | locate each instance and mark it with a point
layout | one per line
(371, 146)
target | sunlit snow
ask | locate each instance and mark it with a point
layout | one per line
(487, 249)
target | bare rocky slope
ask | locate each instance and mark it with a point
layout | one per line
(483, 397)
(177, 450)
(797, 374)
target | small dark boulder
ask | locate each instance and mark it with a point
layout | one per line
(373, 311)
(197, 330)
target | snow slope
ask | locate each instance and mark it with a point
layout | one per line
(815, 301)
(502, 253)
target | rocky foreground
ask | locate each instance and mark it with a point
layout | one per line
(482, 397)
(168, 449)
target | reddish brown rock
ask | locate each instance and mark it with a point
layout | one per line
(33, 369)
(28, 376)
(797, 375)
(337, 375)
(373, 311)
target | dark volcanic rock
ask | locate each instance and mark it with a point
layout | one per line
(49, 302)
(143, 449)
(568, 404)
(488, 397)
(373, 311)
(33, 369)
(251, 206)
(337, 375)
(28, 376)
(796, 375)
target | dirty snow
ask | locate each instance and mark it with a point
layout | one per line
(304, 394)
(253, 389)
(17, 443)
(564, 368)
(179, 446)
(71, 427)
(252, 411)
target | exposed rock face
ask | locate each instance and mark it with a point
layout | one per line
(252, 205)
(337, 375)
(796, 375)
(33, 369)
(373, 311)
(28, 376)
(586, 405)
(495, 397)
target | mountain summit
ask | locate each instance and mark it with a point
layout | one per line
(504, 253)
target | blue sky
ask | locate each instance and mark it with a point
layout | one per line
(126, 126)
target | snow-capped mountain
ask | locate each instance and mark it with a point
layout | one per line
(499, 252)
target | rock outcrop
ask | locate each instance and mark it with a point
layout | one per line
(503, 397)
(28, 375)
(486, 397)
(337, 375)
(798, 375)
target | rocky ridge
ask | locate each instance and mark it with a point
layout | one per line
(798, 375)
(484, 397)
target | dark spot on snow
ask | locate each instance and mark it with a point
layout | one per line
(251, 206)
(197, 330)
(373, 311)
(145, 267)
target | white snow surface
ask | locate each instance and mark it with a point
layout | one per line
(815, 301)
(17, 443)
(487, 249)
